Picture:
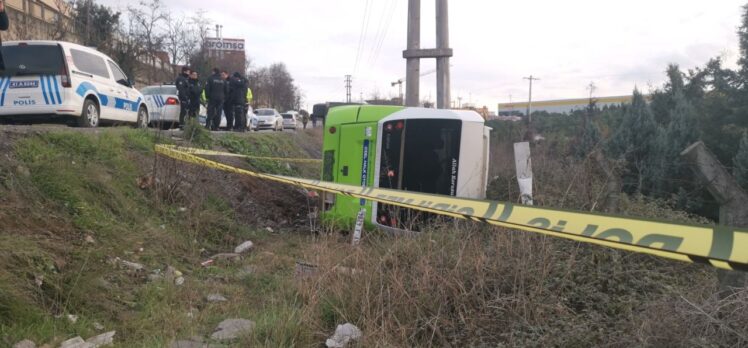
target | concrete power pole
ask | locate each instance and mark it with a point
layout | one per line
(529, 99)
(348, 88)
(732, 201)
(442, 63)
(414, 53)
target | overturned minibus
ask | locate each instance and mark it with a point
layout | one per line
(432, 151)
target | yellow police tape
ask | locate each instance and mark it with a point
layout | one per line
(195, 151)
(720, 246)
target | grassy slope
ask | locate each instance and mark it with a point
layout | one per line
(460, 285)
(60, 188)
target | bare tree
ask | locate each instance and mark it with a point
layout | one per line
(149, 31)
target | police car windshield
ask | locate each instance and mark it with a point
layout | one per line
(32, 60)
(159, 90)
(265, 112)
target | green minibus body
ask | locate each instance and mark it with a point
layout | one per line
(413, 149)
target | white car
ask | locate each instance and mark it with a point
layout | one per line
(62, 80)
(251, 118)
(163, 104)
(289, 120)
(269, 119)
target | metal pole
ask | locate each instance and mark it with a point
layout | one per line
(442, 63)
(413, 68)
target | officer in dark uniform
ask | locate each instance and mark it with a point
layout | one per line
(238, 87)
(216, 90)
(183, 92)
(196, 91)
(228, 105)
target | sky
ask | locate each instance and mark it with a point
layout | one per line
(567, 44)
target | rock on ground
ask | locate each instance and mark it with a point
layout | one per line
(194, 344)
(102, 340)
(344, 334)
(25, 344)
(216, 298)
(244, 247)
(230, 329)
(75, 342)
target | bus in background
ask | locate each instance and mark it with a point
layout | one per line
(412, 149)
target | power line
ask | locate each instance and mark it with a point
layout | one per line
(362, 35)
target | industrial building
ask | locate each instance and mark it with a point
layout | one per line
(561, 106)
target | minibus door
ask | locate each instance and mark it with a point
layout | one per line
(355, 162)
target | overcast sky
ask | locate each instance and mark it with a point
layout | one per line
(568, 44)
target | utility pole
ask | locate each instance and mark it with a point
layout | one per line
(348, 88)
(442, 62)
(529, 99)
(414, 53)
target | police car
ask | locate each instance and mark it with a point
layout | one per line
(56, 79)
(163, 105)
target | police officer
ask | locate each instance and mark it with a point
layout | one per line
(196, 91)
(238, 87)
(4, 24)
(183, 92)
(228, 105)
(216, 90)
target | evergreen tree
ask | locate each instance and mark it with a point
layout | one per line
(743, 41)
(634, 141)
(740, 163)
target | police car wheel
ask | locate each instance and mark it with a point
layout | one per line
(90, 115)
(142, 118)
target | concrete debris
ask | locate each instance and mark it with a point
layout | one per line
(133, 266)
(39, 280)
(216, 298)
(244, 247)
(72, 318)
(75, 342)
(25, 344)
(269, 229)
(89, 239)
(182, 209)
(97, 326)
(179, 281)
(102, 340)
(344, 334)
(230, 329)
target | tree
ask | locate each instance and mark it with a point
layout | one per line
(95, 24)
(633, 142)
(740, 163)
(743, 41)
(274, 87)
(180, 39)
(148, 31)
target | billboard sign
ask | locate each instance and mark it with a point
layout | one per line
(216, 44)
